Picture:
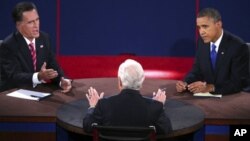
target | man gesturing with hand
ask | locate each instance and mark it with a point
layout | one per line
(26, 56)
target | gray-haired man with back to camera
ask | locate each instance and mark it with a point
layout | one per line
(129, 107)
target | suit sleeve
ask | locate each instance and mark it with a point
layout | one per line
(239, 72)
(160, 118)
(163, 124)
(94, 115)
(52, 62)
(88, 120)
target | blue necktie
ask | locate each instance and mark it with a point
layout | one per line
(213, 55)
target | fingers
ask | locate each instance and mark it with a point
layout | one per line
(93, 93)
(101, 95)
(159, 93)
(87, 95)
(197, 87)
(50, 73)
(43, 66)
(66, 90)
(160, 96)
(154, 94)
(93, 96)
(47, 74)
(66, 85)
(181, 86)
(162, 93)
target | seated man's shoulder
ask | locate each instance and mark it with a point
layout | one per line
(152, 102)
(234, 38)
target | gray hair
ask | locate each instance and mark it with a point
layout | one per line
(211, 13)
(131, 74)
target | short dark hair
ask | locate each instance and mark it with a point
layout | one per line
(210, 12)
(17, 13)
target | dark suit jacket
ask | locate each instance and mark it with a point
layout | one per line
(16, 61)
(129, 108)
(231, 65)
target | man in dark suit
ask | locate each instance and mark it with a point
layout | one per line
(26, 56)
(221, 62)
(129, 107)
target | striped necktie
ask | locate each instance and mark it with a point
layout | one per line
(33, 54)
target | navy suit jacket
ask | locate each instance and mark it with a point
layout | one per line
(16, 61)
(129, 108)
(231, 65)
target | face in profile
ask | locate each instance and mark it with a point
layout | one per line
(29, 26)
(209, 29)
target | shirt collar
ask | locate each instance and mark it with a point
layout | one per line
(28, 41)
(217, 43)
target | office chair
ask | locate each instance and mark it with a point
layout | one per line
(123, 133)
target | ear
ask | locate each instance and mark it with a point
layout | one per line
(18, 24)
(219, 23)
(119, 83)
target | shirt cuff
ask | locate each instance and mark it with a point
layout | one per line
(90, 110)
(35, 79)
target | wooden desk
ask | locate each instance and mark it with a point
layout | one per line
(27, 120)
(229, 110)
(220, 113)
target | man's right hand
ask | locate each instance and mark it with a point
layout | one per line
(46, 74)
(181, 86)
(93, 97)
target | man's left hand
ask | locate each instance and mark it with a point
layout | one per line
(65, 85)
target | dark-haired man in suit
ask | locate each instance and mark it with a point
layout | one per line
(26, 56)
(221, 62)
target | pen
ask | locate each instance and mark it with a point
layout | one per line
(35, 96)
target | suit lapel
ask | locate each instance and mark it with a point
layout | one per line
(24, 51)
(221, 53)
(39, 46)
(207, 55)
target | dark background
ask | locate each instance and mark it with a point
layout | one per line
(140, 27)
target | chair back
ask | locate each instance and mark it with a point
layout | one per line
(123, 133)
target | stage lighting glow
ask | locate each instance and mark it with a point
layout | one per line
(162, 74)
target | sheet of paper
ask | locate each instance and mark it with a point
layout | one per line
(27, 94)
(208, 95)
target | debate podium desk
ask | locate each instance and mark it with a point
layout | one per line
(28, 120)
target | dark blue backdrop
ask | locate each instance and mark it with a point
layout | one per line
(141, 27)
